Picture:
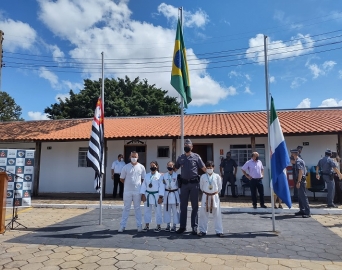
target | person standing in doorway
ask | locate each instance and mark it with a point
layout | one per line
(327, 167)
(132, 175)
(189, 163)
(116, 171)
(228, 169)
(255, 175)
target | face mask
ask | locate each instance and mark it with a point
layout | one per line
(187, 149)
(120, 159)
(169, 169)
(153, 169)
(257, 158)
(210, 171)
(134, 160)
(228, 157)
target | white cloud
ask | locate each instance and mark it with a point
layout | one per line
(18, 35)
(272, 79)
(37, 116)
(50, 76)
(331, 102)
(248, 90)
(232, 74)
(72, 86)
(57, 54)
(340, 74)
(280, 16)
(305, 103)
(248, 77)
(62, 96)
(320, 70)
(298, 81)
(110, 29)
(232, 91)
(198, 19)
(298, 45)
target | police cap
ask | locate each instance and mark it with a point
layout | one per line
(328, 151)
(294, 151)
(300, 147)
(188, 141)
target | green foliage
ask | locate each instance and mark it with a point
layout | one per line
(123, 97)
(9, 110)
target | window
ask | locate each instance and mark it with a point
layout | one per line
(243, 152)
(163, 151)
(82, 156)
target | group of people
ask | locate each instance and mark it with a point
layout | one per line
(168, 193)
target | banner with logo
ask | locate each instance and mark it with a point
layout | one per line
(19, 166)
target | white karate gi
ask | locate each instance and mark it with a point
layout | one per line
(213, 201)
(171, 199)
(152, 199)
(133, 175)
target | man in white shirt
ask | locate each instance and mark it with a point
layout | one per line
(116, 171)
(132, 175)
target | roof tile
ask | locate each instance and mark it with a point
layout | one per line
(219, 124)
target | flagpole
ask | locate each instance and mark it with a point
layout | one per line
(182, 99)
(268, 128)
(101, 173)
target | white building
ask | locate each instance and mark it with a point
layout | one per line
(61, 145)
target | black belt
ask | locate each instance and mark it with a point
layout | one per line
(116, 173)
(167, 198)
(327, 174)
(191, 180)
(228, 172)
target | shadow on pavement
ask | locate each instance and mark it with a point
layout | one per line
(245, 234)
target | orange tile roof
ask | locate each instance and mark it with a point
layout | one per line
(307, 121)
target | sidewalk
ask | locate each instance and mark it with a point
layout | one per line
(228, 204)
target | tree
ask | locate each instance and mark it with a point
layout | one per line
(9, 110)
(123, 97)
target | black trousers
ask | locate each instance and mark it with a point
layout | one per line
(256, 184)
(228, 177)
(189, 190)
(117, 183)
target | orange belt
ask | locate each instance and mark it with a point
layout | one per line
(211, 201)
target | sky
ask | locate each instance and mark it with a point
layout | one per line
(50, 47)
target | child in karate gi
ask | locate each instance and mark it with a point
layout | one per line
(152, 193)
(171, 198)
(211, 185)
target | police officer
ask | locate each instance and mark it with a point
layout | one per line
(327, 167)
(299, 174)
(300, 149)
(295, 191)
(228, 169)
(189, 179)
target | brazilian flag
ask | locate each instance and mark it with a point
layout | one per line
(180, 79)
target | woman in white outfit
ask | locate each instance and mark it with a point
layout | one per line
(211, 185)
(152, 193)
(171, 198)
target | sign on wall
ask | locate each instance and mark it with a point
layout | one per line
(21, 163)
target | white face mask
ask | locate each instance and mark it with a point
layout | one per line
(134, 160)
(210, 171)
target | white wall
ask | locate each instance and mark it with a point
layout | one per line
(59, 171)
(16, 145)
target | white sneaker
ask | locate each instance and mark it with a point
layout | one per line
(121, 229)
(139, 228)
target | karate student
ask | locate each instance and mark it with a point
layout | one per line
(211, 185)
(132, 175)
(152, 193)
(171, 198)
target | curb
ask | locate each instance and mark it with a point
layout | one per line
(314, 211)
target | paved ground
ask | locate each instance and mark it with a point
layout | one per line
(227, 201)
(72, 239)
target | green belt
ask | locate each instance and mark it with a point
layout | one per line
(148, 197)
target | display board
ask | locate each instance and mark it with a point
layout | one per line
(19, 166)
